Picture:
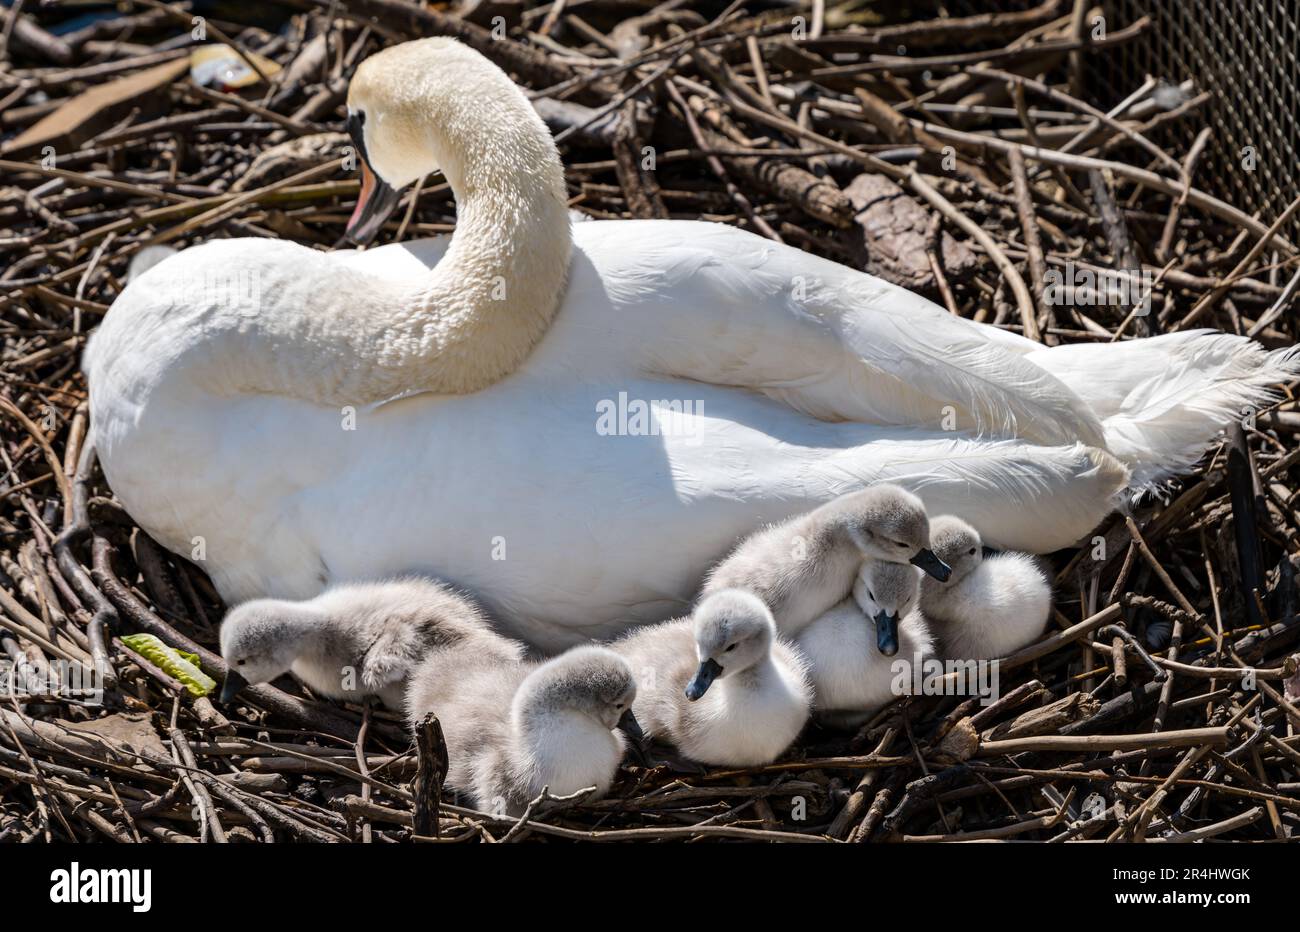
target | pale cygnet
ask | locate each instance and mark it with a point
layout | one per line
(991, 606)
(847, 660)
(514, 728)
(804, 566)
(720, 685)
(351, 641)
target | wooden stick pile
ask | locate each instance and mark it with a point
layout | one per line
(959, 157)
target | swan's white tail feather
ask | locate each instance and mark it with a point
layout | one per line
(1164, 400)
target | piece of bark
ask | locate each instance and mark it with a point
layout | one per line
(959, 744)
(818, 197)
(256, 782)
(29, 37)
(640, 187)
(892, 228)
(100, 107)
(1117, 237)
(893, 125)
(433, 764)
(1046, 720)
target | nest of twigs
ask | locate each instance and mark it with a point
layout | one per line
(1161, 704)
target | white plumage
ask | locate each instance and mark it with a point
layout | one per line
(991, 606)
(751, 708)
(849, 672)
(353, 641)
(803, 566)
(514, 728)
(313, 418)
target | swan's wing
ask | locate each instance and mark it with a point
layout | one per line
(719, 305)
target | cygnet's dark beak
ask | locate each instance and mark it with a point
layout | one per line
(232, 686)
(375, 204)
(931, 564)
(708, 672)
(886, 633)
(628, 724)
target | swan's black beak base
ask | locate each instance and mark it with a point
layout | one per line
(931, 564)
(704, 677)
(887, 633)
(232, 686)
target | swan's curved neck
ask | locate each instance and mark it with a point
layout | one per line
(357, 338)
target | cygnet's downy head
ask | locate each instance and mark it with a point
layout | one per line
(259, 641)
(957, 544)
(591, 681)
(889, 523)
(887, 592)
(733, 631)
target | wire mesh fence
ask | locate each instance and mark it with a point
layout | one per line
(1244, 53)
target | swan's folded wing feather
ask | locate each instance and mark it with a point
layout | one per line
(718, 305)
(949, 361)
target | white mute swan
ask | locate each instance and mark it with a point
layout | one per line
(353, 640)
(579, 452)
(720, 685)
(803, 566)
(849, 670)
(514, 729)
(991, 606)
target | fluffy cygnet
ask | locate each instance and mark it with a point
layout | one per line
(991, 606)
(804, 566)
(514, 728)
(720, 685)
(850, 669)
(350, 641)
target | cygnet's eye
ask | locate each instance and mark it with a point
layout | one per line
(240, 663)
(972, 551)
(730, 647)
(898, 543)
(618, 705)
(871, 595)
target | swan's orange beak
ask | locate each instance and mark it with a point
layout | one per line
(377, 198)
(374, 205)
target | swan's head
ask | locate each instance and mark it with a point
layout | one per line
(592, 682)
(886, 592)
(435, 105)
(734, 630)
(958, 544)
(259, 642)
(887, 522)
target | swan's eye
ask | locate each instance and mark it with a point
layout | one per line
(898, 543)
(972, 551)
(240, 663)
(730, 647)
(871, 595)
